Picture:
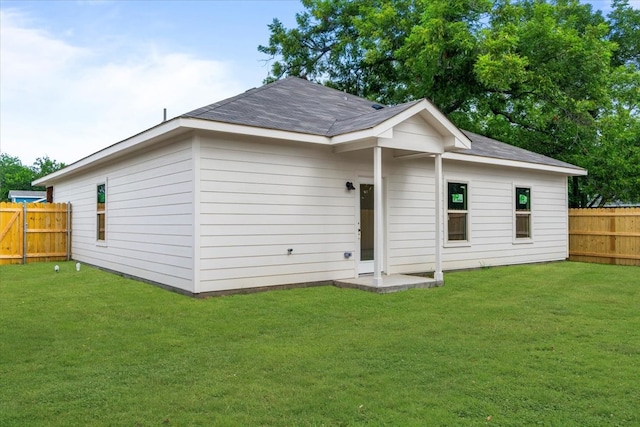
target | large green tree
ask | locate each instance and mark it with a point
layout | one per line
(554, 77)
(16, 176)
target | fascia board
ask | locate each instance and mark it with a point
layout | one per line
(357, 145)
(354, 136)
(513, 163)
(172, 127)
(443, 124)
(214, 126)
(435, 118)
(165, 129)
(382, 130)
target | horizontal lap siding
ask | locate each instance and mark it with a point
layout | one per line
(410, 219)
(258, 199)
(491, 210)
(149, 215)
(410, 216)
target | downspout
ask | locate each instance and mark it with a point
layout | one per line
(437, 275)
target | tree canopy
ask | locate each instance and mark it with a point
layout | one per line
(554, 77)
(16, 176)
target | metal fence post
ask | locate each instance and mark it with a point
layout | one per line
(68, 231)
(24, 232)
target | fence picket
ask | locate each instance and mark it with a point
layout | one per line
(605, 235)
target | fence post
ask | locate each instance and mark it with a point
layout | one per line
(24, 232)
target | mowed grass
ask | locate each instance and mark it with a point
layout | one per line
(554, 345)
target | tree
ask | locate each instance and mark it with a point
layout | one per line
(13, 176)
(613, 160)
(45, 166)
(16, 176)
(625, 32)
(536, 74)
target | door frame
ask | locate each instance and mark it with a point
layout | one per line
(367, 267)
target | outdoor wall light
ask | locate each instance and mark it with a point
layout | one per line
(350, 186)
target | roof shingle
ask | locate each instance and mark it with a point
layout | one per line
(297, 105)
(487, 147)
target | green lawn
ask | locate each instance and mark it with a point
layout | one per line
(554, 345)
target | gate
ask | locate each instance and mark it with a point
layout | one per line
(34, 232)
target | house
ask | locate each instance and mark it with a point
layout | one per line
(297, 183)
(20, 196)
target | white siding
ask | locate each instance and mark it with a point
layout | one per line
(258, 199)
(415, 134)
(491, 208)
(212, 213)
(149, 215)
(410, 216)
(411, 219)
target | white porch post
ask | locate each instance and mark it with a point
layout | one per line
(438, 276)
(378, 238)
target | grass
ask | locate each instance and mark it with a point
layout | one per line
(554, 345)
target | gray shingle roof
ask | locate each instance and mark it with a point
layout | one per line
(487, 147)
(367, 120)
(297, 105)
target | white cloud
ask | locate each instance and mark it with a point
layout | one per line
(66, 101)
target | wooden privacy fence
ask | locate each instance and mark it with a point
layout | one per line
(34, 232)
(605, 235)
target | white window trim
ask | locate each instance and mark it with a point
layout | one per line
(522, 240)
(102, 243)
(456, 243)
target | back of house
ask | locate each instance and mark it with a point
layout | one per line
(297, 183)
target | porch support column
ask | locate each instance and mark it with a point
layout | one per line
(438, 276)
(378, 240)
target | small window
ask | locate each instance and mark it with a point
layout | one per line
(523, 213)
(101, 212)
(457, 212)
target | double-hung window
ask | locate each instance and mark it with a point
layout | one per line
(101, 213)
(523, 212)
(457, 213)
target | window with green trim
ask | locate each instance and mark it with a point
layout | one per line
(457, 212)
(523, 212)
(101, 211)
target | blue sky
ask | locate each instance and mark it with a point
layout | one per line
(77, 76)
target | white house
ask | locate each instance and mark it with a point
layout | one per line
(297, 183)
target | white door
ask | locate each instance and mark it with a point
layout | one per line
(365, 227)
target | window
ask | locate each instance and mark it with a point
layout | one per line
(101, 212)
(523, 213)
(457, 212)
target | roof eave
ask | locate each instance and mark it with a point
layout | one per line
(172, 128)
(238, 129)
(514, 163)
(162, 131)
(446, 126)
